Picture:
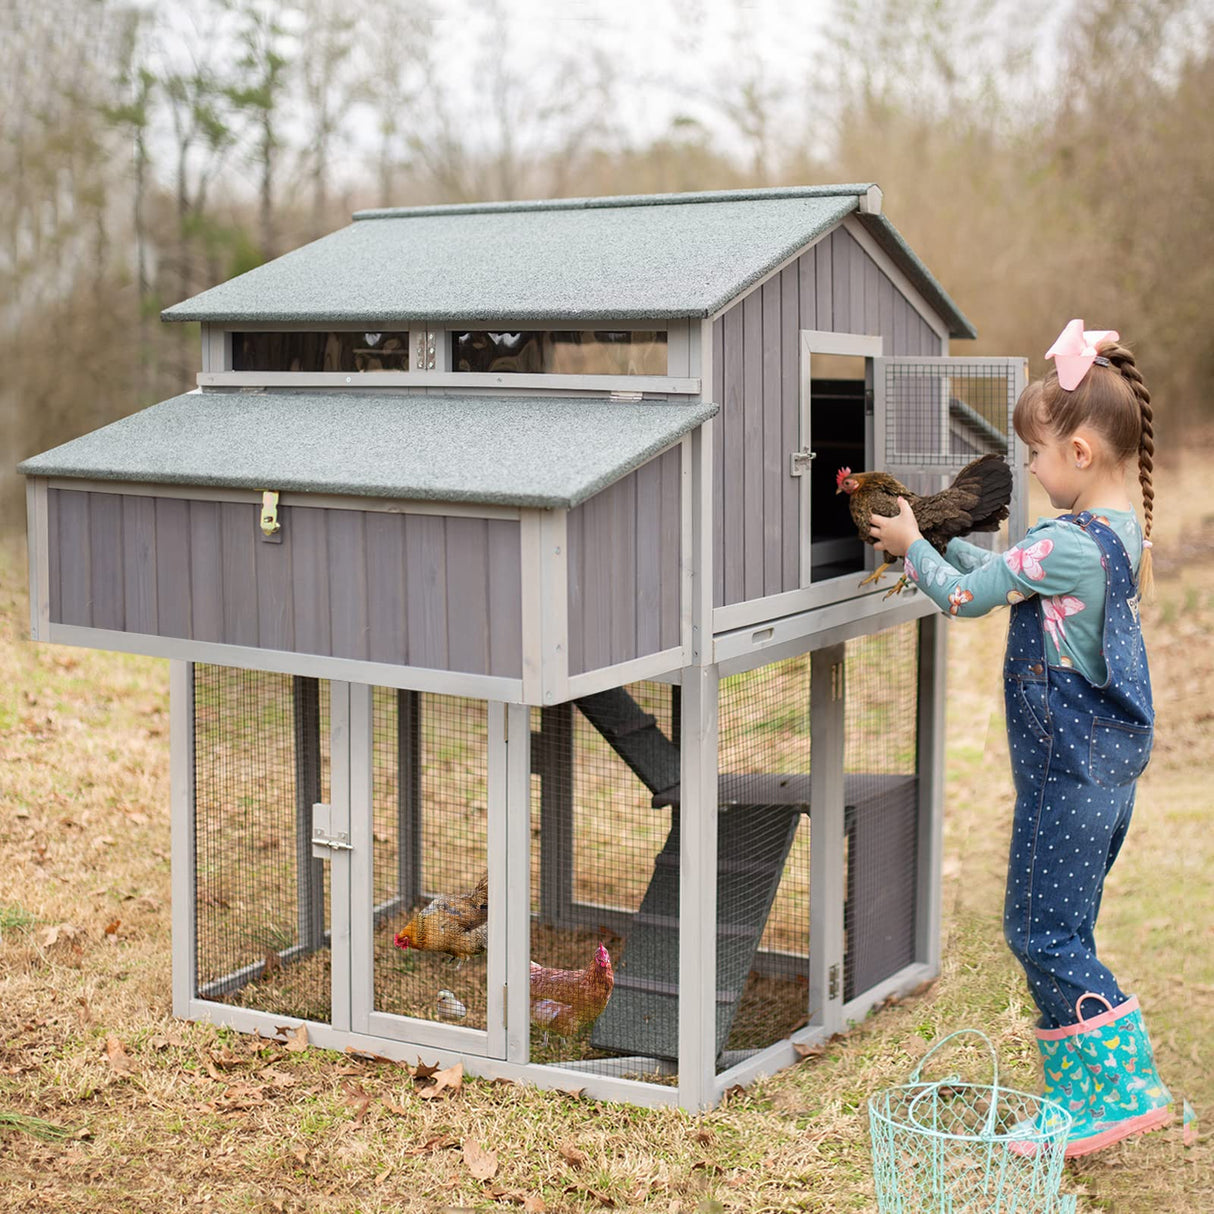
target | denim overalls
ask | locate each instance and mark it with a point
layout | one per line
(1076, 752)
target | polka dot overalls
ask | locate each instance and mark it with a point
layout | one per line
(1077, 751)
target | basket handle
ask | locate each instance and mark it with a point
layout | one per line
(914, 1076)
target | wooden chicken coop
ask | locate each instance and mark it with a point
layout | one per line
(504, 539)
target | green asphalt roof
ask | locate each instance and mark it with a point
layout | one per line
(504, 450)
(626, 258)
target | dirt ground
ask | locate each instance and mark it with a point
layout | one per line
(108, 1103)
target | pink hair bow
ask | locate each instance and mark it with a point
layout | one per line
(1074, 351)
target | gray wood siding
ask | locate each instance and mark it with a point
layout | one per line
(623, 555)
(404, 589)
(837, 287)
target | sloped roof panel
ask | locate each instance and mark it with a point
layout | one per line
(503, 450)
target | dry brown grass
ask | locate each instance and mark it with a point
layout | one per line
(172, 1116)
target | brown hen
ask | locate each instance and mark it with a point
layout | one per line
(977, 500)
(566, 1001)
(452, 923)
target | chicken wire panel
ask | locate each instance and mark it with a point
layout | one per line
(881, 805)
(605, 883)
(261, 760)
(762, 857)
(430, 867)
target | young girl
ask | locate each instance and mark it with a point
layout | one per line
(1079, 714)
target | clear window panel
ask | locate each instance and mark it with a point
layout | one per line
(306, 351)
(564, 352)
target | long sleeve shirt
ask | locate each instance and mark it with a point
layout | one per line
(1057, 561)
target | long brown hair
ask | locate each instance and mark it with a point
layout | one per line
(1114, 402)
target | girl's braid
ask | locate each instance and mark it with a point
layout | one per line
(1123, 360)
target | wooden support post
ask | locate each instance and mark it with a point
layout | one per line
(408, 797)
(554, 752)
(309, 872)
(182, 817)
(933, 665)
(826, 889)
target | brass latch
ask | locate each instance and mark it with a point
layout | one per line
(269, 513)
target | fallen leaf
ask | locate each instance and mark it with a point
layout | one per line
(598, 1196)
(450, 1080)
(111, 928)
(367, 1056)
(808, 1051)
(534, 1205)
(297, 1039)
(358, 1100)
(120, 1060)
(481, 1163)
(439, 1142)
(272, 962)
(424, 1070)
(571, 1155)
(704, 1136)
(66, 932)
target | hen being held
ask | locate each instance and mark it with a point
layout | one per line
(977, 500)
(457, 924)
(567, 1001)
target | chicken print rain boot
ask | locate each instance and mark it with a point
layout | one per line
(1066, 1082)
(1127, 1095)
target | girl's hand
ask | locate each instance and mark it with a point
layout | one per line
(895, 535)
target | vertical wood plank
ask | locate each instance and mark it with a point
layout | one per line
(426, 589)
(840, 258)
(872, 296)
(886, 313)
(718, 464)
(857, 259)
(575, 539)
(730, 431)
(275, 588)
(752, 452)
(206, 571)
(672, 555)
(75, 603)
(238, 529)
(596, 608)
(651, 548)
(467, 594)
(105, 560)
(623, 547)
(775, 455)
(139, 563)
(348, 583)
(54, 570)
(173, 567)
(386, 587)
(807, 288)
(824, 284)
(506, 599)
(791, 325)
(310, 580)
(901, 327)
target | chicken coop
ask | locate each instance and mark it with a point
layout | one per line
(527, 706)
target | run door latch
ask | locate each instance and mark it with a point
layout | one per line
(324, 841)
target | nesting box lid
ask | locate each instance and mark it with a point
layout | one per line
(625, 258)
(503, 450)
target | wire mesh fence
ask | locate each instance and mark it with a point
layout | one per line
(430, 867)
(881, 810)
(261, 901)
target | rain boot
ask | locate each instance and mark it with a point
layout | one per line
(1066, 1082)
(1127, 1095)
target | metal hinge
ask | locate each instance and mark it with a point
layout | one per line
(799, 461)
(833, 990)
(269, 514)
(426, 351)
(325, 842)
(626, 398)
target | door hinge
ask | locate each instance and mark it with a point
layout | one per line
(833, 989)
(626, 398)
(799, 461)
(270, 526)
(324, 841)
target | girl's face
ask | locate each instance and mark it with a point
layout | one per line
(1052, 462)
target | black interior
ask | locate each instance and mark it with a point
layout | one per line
(837, 436)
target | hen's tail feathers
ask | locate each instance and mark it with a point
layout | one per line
(479, 894)
(989, 480)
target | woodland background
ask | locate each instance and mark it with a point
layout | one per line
(1047, 160)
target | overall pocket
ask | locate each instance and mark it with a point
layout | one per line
(1032, 700)
(1119, 752)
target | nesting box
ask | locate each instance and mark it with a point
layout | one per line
(498, 562)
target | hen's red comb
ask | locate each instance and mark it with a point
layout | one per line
(842, 475)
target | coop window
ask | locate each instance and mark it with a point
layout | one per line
(319, 351)
(561, 352)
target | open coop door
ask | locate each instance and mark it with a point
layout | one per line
(933, 415)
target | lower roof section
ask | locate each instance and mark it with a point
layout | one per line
(499, 450)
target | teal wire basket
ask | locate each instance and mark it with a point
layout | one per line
(948, 1147)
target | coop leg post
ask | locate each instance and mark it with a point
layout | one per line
(698, 890)
(556, 814)
(933, 661)
(181, 798)
(309, 872)
(826, 886)
(409, 797)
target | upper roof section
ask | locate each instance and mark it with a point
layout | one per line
(502, 450)
(625, 258)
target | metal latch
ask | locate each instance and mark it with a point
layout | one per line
(833, 992)
(626, 398)
(269, 514)
(324, 841)
(799, 461)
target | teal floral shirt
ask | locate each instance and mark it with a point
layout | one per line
(1057, 561)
